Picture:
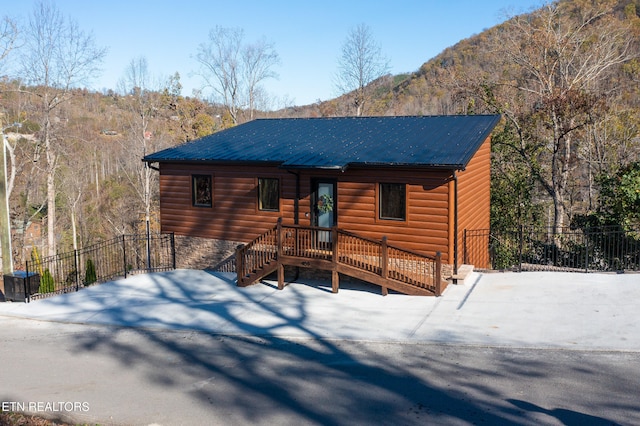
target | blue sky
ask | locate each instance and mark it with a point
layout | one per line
(307, 35)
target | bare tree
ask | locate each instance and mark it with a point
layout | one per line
(360, 63)
(555, 59)
(258, 60)
(220, 66)
(57, 58)
(73, 183)
(234, 70)
(8, 36)
(143, 102)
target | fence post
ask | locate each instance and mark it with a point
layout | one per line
(148, 244)
(438, 276)
(521, 238)
(586, 249)
(27, 291)
(464, 247)
(75, 261)
(124, 255)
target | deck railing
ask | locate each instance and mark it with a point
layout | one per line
(339, 251)
(361, 253)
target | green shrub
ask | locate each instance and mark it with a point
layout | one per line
(90, 273)
(47, 283)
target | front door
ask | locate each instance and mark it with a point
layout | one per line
(325, 208)
(325, 205)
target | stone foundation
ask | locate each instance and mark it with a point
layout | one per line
(202, 253)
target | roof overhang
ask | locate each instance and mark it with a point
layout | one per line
(285, 166)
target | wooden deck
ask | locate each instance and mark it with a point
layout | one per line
(340, 252)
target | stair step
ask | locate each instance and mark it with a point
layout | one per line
(463, 272)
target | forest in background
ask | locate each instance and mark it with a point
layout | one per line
(566, 79)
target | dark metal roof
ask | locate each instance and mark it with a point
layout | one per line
(337, 143)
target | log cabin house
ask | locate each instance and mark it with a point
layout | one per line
(414, 183)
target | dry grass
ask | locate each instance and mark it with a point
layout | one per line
(18, 419)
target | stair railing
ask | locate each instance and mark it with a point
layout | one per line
(337, 246)
(255, 255)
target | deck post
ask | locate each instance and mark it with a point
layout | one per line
(335, 276)
(279, 254)
(239, 263)
(280, 276)
(438, 274)
(384, 260)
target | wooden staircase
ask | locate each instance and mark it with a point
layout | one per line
(340, 252)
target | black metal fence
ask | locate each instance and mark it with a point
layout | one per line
(104, 261)
(605, 249)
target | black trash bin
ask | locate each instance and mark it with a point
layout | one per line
(18, 287)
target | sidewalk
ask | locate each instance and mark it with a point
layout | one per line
(530, 309)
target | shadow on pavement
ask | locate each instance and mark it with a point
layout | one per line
(258, 377)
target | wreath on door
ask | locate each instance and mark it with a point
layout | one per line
(325, 203)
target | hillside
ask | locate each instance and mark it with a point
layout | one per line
(566, 79)
(437, 86)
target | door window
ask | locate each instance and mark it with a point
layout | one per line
(325, 204)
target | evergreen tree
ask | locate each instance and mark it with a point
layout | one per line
(90, 274)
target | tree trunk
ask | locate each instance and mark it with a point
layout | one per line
(558, 215)
(560, 172)
(74, 229)
(5, 217)
(51, 207)
(51, 190)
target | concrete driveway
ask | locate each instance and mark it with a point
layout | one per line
(529, 309)
(189, 347)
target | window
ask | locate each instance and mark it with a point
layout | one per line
(392, 201)
(269, 194)
(202, 194)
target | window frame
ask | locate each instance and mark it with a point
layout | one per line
(259, 194)
(194, 195)
(382, 201)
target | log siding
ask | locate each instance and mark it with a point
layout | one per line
(474, 194)
(235, 215)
